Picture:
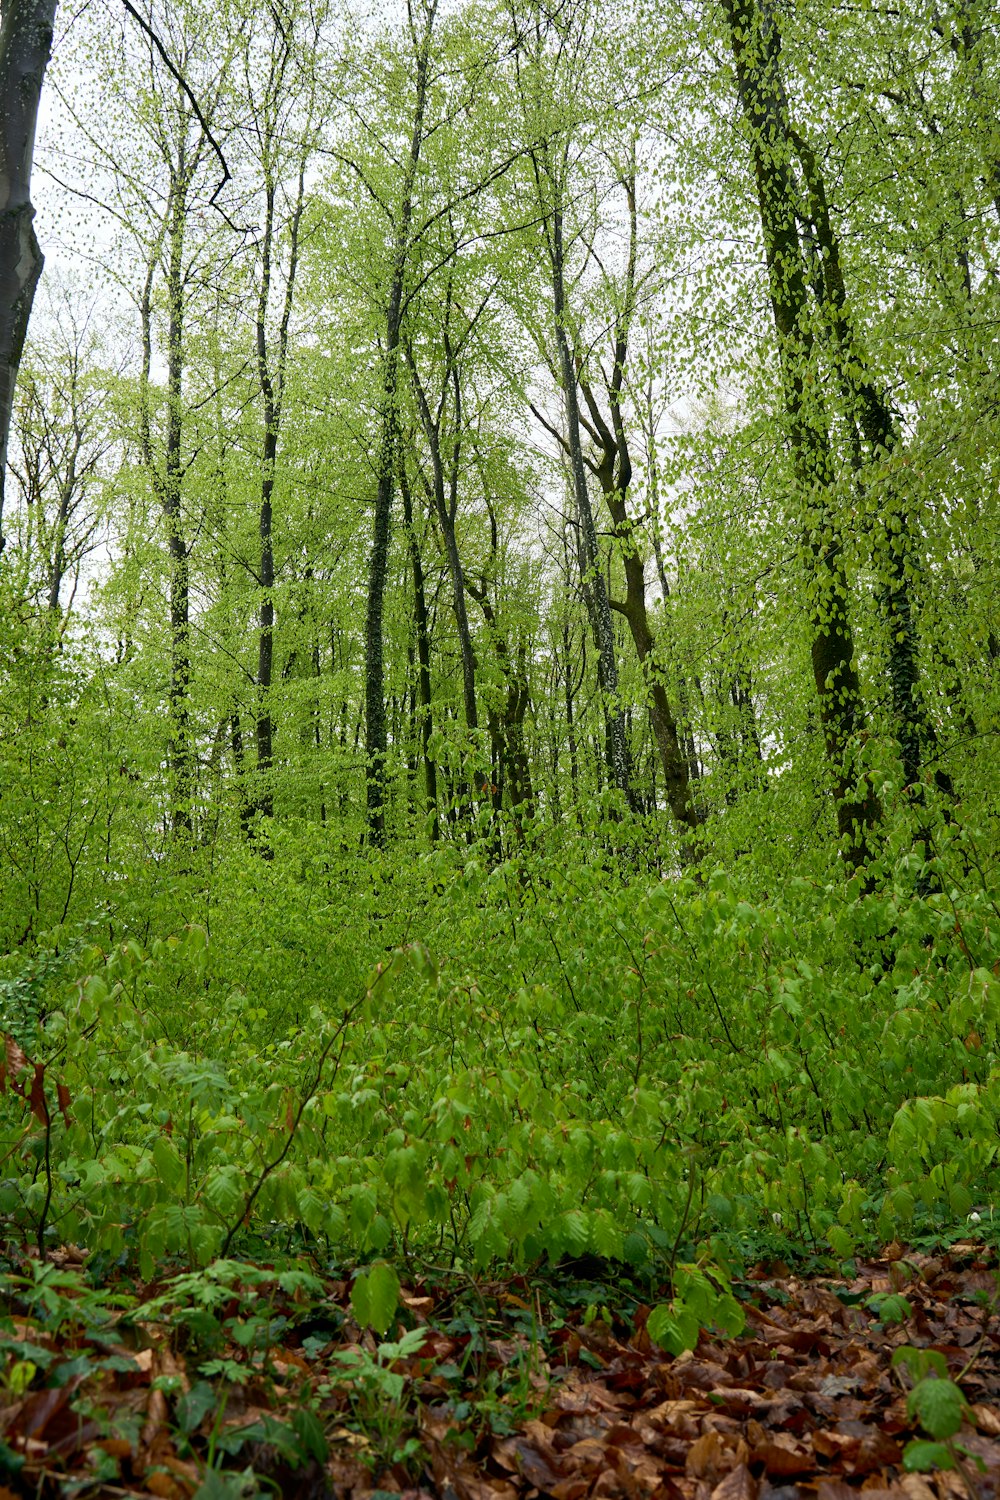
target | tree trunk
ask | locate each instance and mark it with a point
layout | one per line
(614, 472)
(420, 621)
(181, 753)
(376, 743)
(272, 382)
(25, 46)
(755, 45)
(607, 665)
(893, 551)
(444, 490)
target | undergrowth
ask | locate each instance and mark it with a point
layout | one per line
(546, 1058)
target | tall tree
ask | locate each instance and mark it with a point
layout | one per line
(755, 50)
(400, 214)
(25, 46)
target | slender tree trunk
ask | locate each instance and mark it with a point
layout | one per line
(444, 489)
(423, 695)
(607, 664)
(170, 485)
(376, 742)
(180, 625)
(263, 731)
(513, 769)
(272, 381)
(613, 469)
(25, 46)
(574, 775)
(614, 472)
(686, 691)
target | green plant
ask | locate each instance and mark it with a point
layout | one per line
(940, 1407)
(377, 1395)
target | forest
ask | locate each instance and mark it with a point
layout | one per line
(499, 768)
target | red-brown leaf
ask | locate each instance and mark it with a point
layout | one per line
(36, 1098)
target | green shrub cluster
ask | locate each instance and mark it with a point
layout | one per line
(567, 1061)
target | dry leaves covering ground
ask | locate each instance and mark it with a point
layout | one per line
(805, 1403)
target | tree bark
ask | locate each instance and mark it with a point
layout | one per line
(607, 665)
(613, 469)
(444, 490)
(755, 44)
(25, 47)
(893, 548)
(168, 483)
(376, 742)
(272, 385)
(423, 690)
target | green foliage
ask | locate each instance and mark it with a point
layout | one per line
(375, 1296)
(940, 1407)
(490, 1094)
(699, 1301)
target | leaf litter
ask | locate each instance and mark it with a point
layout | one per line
(263, 1384)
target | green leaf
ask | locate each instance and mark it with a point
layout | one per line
(605, 1235)
(673, 1326)
(720, 1208)
(375, 1296)
(570, 1232)
(920, 1362)
(224, 1191)
(729, 1316)
(635, 1251)
(310, 1433)
(10, 1462)
(219, 1486)
(194, 1406)
(921, 1455)
(841, 1243)
(938, 1405)
(169, 1166)
(891, 1307)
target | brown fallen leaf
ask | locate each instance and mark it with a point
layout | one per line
(116, 1447)
(454, 1475)
(38, 1410)
(67, 1255)
(523, 1458)
(156, 1417)
(588, 1453)
(184, 1471)
(782, 1455)
(739, 1484)
(165, 1486)
(573, 1489)
(416, 1304)
(831, 1444)
(707, 1456)
(987, 1419)
(916, 1487)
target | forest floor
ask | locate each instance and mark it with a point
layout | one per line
(243, 1381)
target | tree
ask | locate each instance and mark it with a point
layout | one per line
(546, 76)
(64, 444)
(755, 48)
(400, 214)
(25, 45)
